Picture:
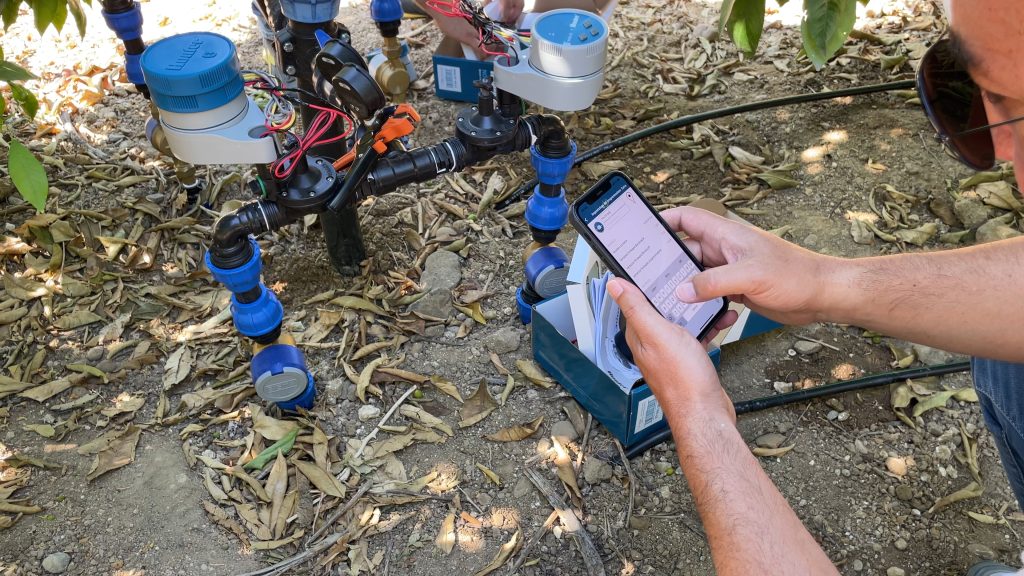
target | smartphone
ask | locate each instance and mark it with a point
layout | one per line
(636, 244)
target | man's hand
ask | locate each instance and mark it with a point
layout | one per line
(675, 365)
(773, 277)
(510, 11)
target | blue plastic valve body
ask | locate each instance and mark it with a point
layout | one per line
(193, 72)
(127, 26)
(386, 10)
(252, 319)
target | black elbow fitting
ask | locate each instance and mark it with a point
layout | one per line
(552, 137)
(230, 248)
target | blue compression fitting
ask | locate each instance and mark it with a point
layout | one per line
(525, 310)
(252, 319)
(273, 360)
(386, 10)
(133, 67)
(126, 25)
(542, 259)
(241, 279)
(552, 170)
(547, 212)
(304, 400)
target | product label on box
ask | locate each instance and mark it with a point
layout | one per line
(648, 412)
(449, 78)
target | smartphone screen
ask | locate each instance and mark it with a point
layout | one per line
(649, 253)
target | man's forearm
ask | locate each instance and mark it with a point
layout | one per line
(751, 528)
(969, 300)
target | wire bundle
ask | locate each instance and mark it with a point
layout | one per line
(279, 110)
(314, 136)
(494, 38)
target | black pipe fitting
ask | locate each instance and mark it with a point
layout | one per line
(552, 137)
(230, 247)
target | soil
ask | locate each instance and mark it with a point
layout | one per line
(148, 517)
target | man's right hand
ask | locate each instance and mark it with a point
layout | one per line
(748, 265)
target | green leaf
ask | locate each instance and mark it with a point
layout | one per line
(11, 72)
(825, 27)
(28, 175)
(284, 445)
(9, 11)
(44, 12)
(61, 15)
(26, 99)
(745, 23)
(75, 7)
(3, 110)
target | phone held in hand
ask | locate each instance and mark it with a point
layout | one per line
(636, 244)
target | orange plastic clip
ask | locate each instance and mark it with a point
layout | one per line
(401, 123)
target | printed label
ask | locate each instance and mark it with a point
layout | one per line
(449, 78)
(648, 413)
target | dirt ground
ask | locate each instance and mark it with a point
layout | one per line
(130, 255)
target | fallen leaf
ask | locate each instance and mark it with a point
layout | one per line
(364, 377)
(120, 452)
(283, 445)
(972, 490)
(324, 481)
(517, 432)
(534, 374)
(772, 452)
(277, 487)
(446, 535)
(425, 418)
(357, 303)
(490, 474)
(177, 367)
(48, 390)
(504, 553)
(478, 406)
(444, 385)
(269, 427)
(44, 430)
(984, 518)
(77, 319)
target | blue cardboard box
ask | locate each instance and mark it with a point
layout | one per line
(631, 417)
(454, 77)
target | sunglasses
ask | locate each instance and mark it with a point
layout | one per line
(955, 106)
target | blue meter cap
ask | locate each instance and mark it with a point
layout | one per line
(192, 72)
(570, 28)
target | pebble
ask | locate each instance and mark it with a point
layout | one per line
(564, 431)
(971, 212)
(503, 341)
(524, 487)
(806, 348)
(858, 565)
(771, 440)
(904, 492)
(596, 471)
(783, 387)
(442, 271)
(56, 563)
(832, 415)
(95, 353)
(368, 412)
(901, 544)
(894, 571)
(706, 31)
(638, 523)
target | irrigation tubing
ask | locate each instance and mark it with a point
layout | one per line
(870, 381)
(711, 115)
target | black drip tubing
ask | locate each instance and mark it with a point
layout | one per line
(711, 115)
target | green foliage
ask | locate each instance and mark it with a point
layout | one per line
(824, 28)
(26, 171)
(28, 175)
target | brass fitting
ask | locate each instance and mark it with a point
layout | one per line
(183, 171)
(391, 75)
(284, 338)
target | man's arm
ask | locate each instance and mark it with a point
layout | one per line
(751, 529)
(969, 300)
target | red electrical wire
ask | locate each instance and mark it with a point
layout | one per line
(319, 126)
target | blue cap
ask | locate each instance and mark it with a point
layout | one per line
(386, 10)
(192, 72)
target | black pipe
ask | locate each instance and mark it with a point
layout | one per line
(711, 115)
(230, 247)
(870, 381)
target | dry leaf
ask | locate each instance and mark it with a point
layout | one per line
(517, 432)
(564, 468)
(972, 490)
(177, 367)
(772, 452)
(490, 474)
(357, 303)
(425, 418)
(363, 382)
(324, 481)
(446, 535)
(534, 374)
(277, 487)
(444, 385)
(120, 452)
(269, 427)
(48, 390)
(478, 406)
(504, 553)
(221, 518)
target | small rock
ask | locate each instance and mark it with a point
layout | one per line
(564, 431)
(932, 356)
(524, 487)
(638, 523)
(783, 387)
(442, 271)
(858, 565)
(706, 31)
(904, 492)
(807, 348)
(843, 416)
(503, 341)
(901, 544)
(894, 571)
(971, 212)
(832, 415)
(836, 404)
(995, 229)
(95, 353)
(664, 467)
(56, 563)
(771, 440)
(596, 471)
(368, 412)
(981, 552)
(483, 499)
